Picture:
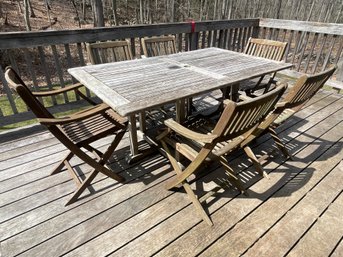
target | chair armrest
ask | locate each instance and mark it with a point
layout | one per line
(101, 108)
(244, 98)
(57, 91)
(178, 128)
(280, 104)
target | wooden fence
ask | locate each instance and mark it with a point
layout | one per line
(42, 58)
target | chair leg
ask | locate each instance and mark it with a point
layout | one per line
(61, 164)
(82, 187)
(98, 166)
(187, 187)
(255, 161)
(279, 143)
(95, 152)
(231, 175)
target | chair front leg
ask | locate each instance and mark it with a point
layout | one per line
(186, 186)
(85, 183)
(279, 143)
(232, 175)
(104, 158)
(255, 161)
(61, 164)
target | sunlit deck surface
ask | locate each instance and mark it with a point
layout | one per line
(296, 212)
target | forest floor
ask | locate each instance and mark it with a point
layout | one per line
(62, 16)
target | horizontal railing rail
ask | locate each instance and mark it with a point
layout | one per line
(312, 46)
(42, 58)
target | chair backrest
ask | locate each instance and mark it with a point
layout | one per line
(305, 88)
(110, 51)
(269, 49)
(17, 84)
(156, 46)
(243, 117)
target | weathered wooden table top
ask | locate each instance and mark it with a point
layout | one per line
(133, 86)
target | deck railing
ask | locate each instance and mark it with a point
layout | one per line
(312, 46)
(42, 58)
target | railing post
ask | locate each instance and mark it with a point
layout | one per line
(256, 30)
(193, 37)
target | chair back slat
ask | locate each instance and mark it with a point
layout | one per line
(269, 49)
(156, 46)
(306, 87)
(17, 84)
(238, 118)
(110, 51)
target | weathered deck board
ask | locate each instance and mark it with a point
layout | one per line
(322, 237)
(189, 243)
(141, 218)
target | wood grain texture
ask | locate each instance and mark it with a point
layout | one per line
(322, 237)
(138, 85)
(316, 27)
(141, 218)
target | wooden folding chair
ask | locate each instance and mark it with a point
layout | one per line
(109, 51)
(156, 46)
(269, 49)
(203, 139)
(302, 91)
(76, 131)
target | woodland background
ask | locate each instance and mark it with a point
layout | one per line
(19, 15)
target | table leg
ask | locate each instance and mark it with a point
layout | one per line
(142, 121)
(133, 135)
(180, 111)
(231, 92)
(234, 96)
(136, 154)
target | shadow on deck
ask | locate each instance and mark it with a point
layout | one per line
(295, 212)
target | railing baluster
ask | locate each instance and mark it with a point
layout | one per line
(82, 63)
(13, 61)
(179, 40)
(209, 39)
(28, 59)
(203, 39)
(133, 47)
(304, 44)
(44, 67)
(327, 58)
(215, 40)
(314, 42)
(320, 53)
(8, 92)
(234, 40)
(59, 70)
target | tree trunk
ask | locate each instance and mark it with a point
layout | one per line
(172, 7)
(19, 6)
(32, 13)
(141, 19)
(114, 11)
(48, 11)
(321, 10)
(27, 15)
(339, 14)
(98, 11)
(311, 10)
(215, 9)
(278, 9)
(76, 12)
(230, 10)
(84, 8)
(201, 10)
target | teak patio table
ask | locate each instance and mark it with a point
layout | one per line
(132, 87)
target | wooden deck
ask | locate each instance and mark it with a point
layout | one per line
(296, 212)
